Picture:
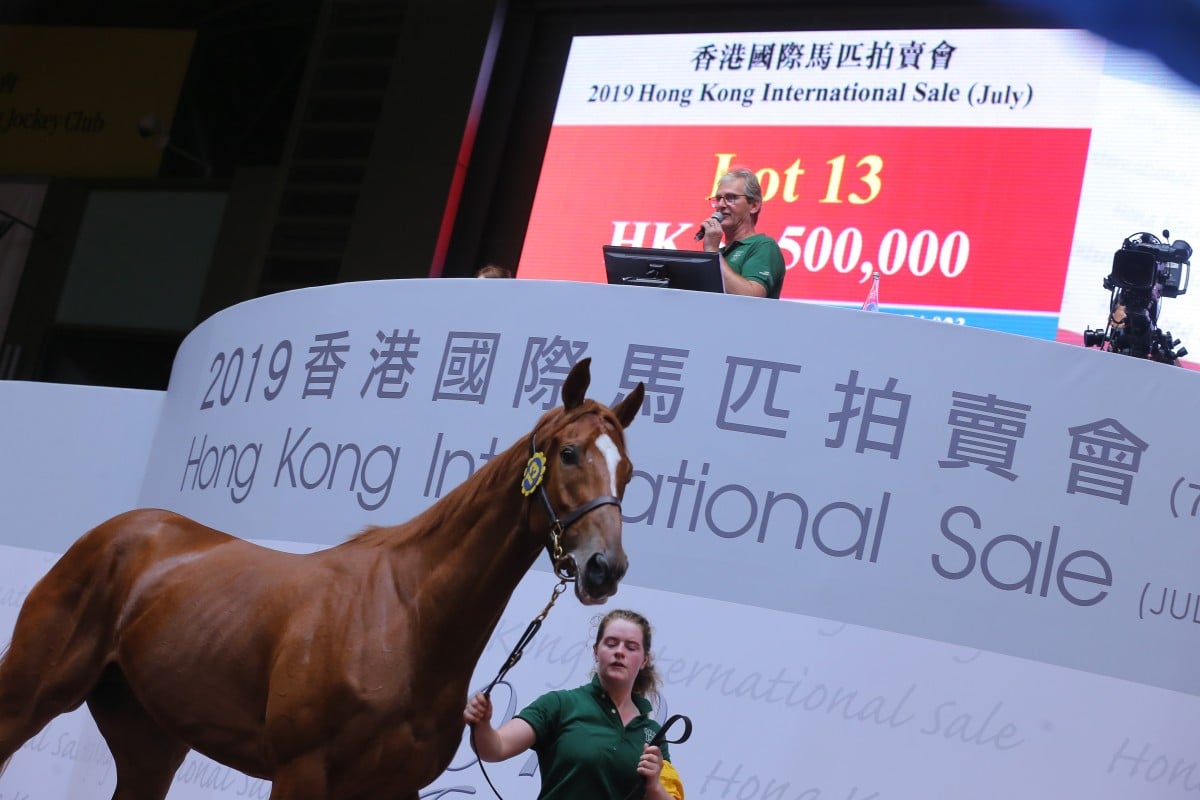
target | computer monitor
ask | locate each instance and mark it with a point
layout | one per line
(675, 269)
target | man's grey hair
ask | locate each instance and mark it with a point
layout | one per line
(753, 187)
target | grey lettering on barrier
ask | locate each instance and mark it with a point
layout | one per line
(315, 465)
(206, 463)
(730, 782)
(1152, 764)
(508, 709)
(12, 596)
(393, 361)
(254, 788)
(661, 369)
(567, 655)
(544, 367)
(986, 430)
(441, 460)
(873, 415)
(957, 722)
(449, 791)
(691, 498)
(202, 772)
(1106, 456)
(746, 372)
(466, 367)
(528, 767)
(1081, 577)
(1191, 605)
(325, 364)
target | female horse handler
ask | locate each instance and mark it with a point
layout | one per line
(592, 742)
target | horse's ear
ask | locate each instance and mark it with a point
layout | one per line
(575, 386)
(628, 408)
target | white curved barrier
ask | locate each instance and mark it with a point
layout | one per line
(886, 558)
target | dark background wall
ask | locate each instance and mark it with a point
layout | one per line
(318, 141)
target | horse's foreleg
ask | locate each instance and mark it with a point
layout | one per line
(146, 756)
(303, 778)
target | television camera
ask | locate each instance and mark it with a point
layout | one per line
(1145, 270)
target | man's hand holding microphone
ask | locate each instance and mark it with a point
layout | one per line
(710, 231)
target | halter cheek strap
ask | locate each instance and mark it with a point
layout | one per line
(532, 482)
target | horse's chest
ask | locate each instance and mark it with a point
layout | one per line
(397, 758)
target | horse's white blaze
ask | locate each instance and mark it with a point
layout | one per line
(612, 457)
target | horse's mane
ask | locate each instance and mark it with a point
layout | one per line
(503, 468)
(502, 471)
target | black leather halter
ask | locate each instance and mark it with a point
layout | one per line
(564, 567)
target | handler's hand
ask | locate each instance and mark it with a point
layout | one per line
(479, 709)
(650, 764)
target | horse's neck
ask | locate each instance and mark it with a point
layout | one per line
(463, 557)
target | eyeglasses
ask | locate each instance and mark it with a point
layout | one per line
(729, 197)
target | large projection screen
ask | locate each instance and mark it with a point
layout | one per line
(989, 175)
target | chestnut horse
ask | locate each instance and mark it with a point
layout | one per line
(337, 674)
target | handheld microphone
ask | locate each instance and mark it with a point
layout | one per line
(715, 215)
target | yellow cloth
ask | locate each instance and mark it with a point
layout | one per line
(669, 778)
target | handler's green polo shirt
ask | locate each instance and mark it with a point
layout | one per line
(583, 750)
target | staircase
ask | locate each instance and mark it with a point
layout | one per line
(329, 144)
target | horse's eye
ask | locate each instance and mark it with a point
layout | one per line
(569, 455)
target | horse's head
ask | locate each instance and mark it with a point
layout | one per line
(585, 474)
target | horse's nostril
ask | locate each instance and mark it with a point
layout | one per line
(598, 572)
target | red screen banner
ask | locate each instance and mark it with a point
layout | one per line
(952, 216)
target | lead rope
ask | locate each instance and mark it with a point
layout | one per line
(513, 657)
(533, 627)
(639, 788)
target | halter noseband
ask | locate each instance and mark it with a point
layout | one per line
(534, 481)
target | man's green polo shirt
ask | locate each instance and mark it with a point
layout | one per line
(758, 258)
